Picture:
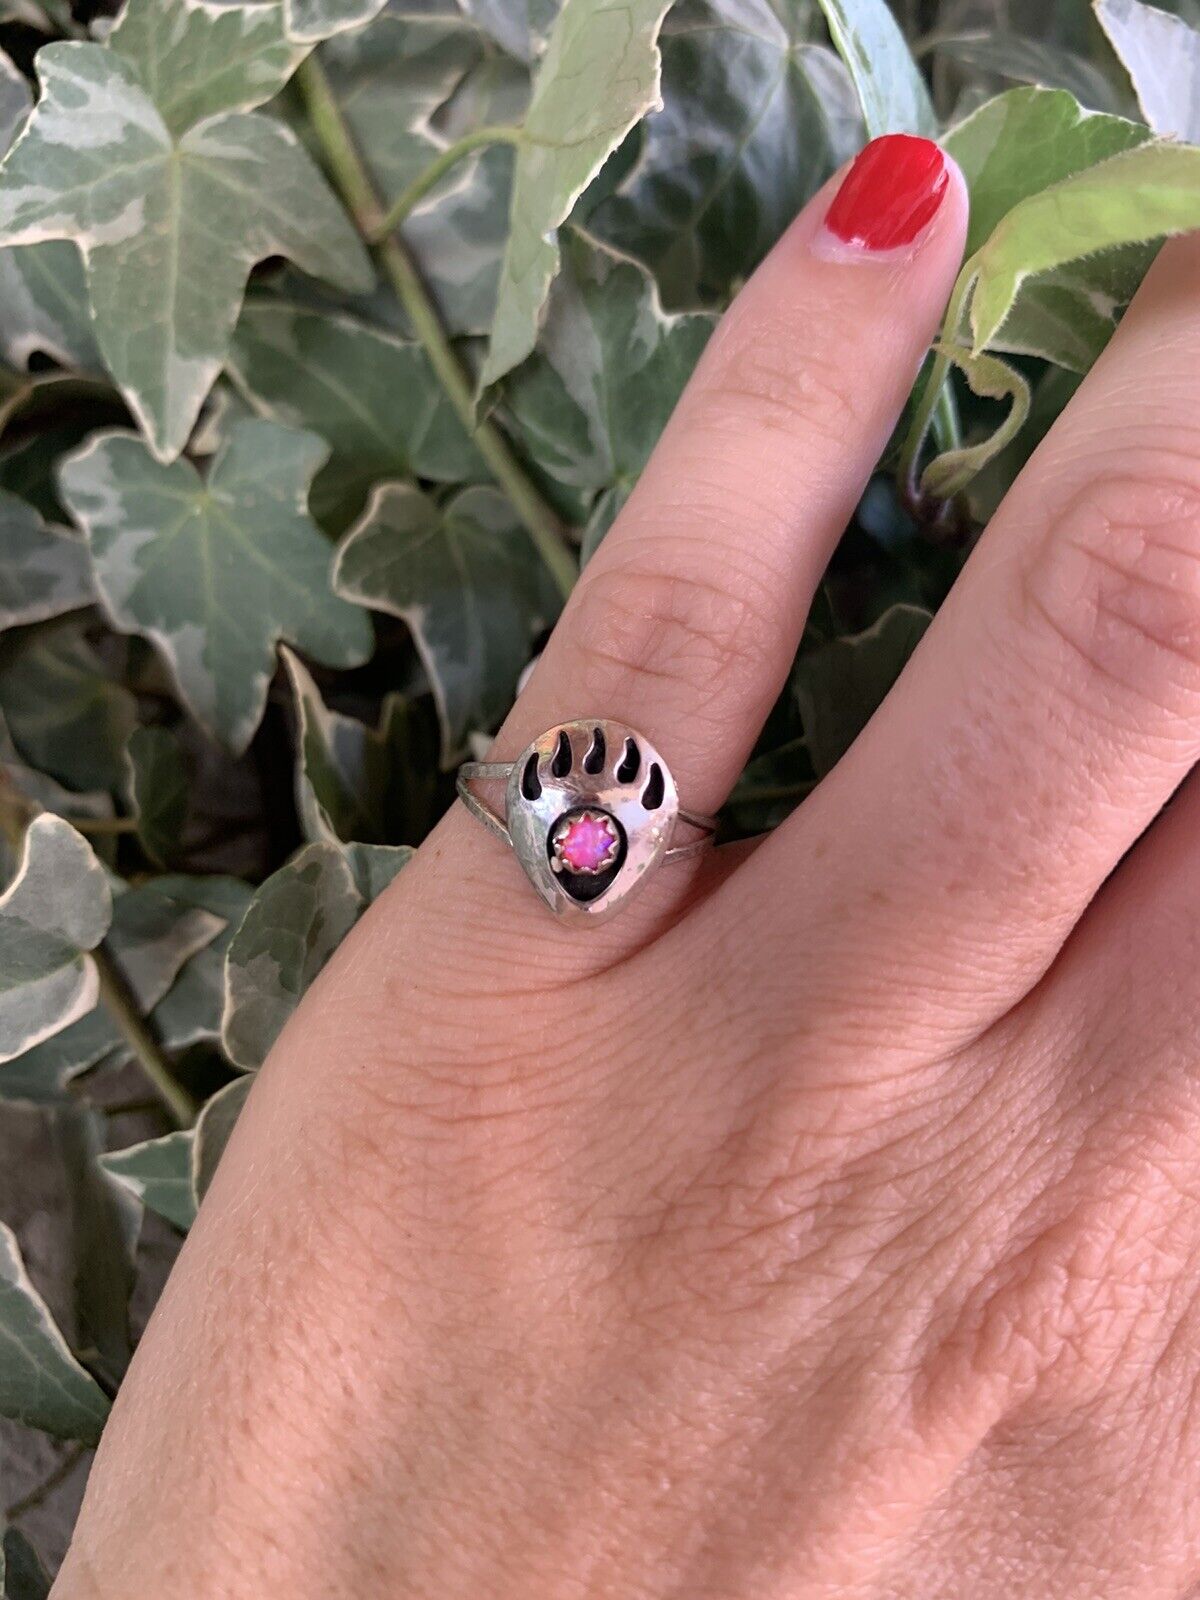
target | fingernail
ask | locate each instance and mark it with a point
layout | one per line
(890, 195)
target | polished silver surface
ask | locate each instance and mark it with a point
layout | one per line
(590, 808)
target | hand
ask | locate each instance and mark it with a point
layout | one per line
(825, 1224)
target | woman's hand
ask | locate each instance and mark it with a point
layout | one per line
(825, 1225)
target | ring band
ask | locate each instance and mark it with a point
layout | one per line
(590, 808)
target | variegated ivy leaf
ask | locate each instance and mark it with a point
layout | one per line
(1025, 60)
(64, 712)
(520, 27)
(1143, 194)
(410, 85)
(373, 398)
(158, 1172)
(1020, 144)
(891, 90)
(41, 1382)
(214, 572)
(598, 77)
(354, 782)
(44, 570)
(294, 923)
(159, 790)
(310, 21)
(157, 930)
(465, 579)
(755, 117)
(169, 227)
(15, 99)
(22, 1575)
(1161, 53)
(215, 1124)
(54, 912)
(198, 57)
(591, 401)
(190, 1011)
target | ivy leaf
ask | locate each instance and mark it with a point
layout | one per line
(520, 28)
(169, 227)
(41, 1383)
(1028, 60)
(1021, 144)
(310, 21)
(156, 931)
(1146, 193)
(354, 782)
(755, 117)
(840, 685)
(598, 77)
(891, 90)
(215, 572)
(464, 578)
(609, 367)
(196, 59)
(66, 715)
(15, 99)
(44, 570)
(158, 1173)
(292, 926)
(55, 910)
(1161, 53)
(373, 398)
(22, 1576)
(159, 789)
(215, 1124)
(374, 866)
(44, 308)
(191, 1010)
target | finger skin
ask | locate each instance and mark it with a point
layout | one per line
(1048, 713)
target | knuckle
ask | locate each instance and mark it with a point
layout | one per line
(759, 375)
(687, 633)
(1116, 580)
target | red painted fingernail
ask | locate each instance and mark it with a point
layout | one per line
(891, 193)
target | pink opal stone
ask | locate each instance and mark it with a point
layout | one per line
(587, 843)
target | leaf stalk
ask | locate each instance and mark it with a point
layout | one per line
(123, 1008)
(908, 466)
(358, 192)
(446, 161)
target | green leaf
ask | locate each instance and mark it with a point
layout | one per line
(22, 1576)
(294, 923)
(598, 77)
(158, 1172)
(190, 1012)
(215, 1124)
(1145, 193)
(354, 782)
(375, 866)
(840, 685)
(102, 1227)
(520, 27)
(373, 398)
(159, 788)
(1016, 146)
(1027, 60)
(44, 571)
(755, 117)
(160, 931)
(55, 910)
(309, 21)
(464, 577)
(41, 1383)
(15, 100)
(609, 367)
(992, 379)
(44, 307)
(169, 229)
(891, 90)
(195, 58)
(215, 572)
(1161, 53)
(65, 714)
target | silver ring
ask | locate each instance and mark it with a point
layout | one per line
(590, 808)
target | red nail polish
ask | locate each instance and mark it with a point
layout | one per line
(891, 193)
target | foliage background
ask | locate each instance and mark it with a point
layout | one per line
(334, 335)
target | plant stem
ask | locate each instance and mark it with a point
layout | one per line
(98, 826)
(437, 169)
(907, 471)
(122, 1007)
(358, 192)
